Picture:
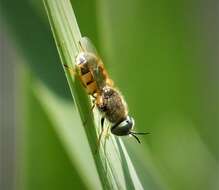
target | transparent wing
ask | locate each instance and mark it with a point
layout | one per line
(87, 46)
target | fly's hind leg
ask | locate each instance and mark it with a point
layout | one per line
(107, 132)
(86, 45)
(101, 133)
(107, 135)
(81, 46)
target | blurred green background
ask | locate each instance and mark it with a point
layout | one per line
(163, 56)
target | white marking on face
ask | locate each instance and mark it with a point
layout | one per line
(80, 59)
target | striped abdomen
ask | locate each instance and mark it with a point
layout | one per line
(88, 80)
(93, 75)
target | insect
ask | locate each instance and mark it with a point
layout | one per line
(107, 98)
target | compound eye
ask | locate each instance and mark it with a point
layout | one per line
(128, 123)
(124, 127)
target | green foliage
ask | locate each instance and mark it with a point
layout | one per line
(114, 171)
(157, 53)
(46, 159)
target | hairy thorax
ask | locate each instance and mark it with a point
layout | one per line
(112, 105)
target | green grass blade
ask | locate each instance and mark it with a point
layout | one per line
(113, 164)
(73, 138)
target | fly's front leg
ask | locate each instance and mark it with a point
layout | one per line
(79, 59)
(70, 69)
(74, 73)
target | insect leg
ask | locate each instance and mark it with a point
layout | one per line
(107, 135)
(102, 122)
(101, 133)
(107, 131)
(72, 71)
(81, 47)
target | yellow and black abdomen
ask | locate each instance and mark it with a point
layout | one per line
(92, 72)
(87, 79)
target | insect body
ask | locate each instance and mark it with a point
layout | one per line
(107, 98)
(92, 73)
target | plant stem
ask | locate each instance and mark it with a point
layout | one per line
(112, 171)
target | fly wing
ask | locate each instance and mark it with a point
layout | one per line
(87, 46)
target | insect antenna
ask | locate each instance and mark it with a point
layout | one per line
(138, 133)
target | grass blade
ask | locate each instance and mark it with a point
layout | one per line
(113, 164)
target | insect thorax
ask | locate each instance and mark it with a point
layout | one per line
(113, 106)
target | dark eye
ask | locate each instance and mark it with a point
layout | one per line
(124, 127)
